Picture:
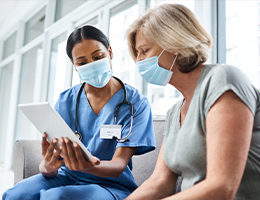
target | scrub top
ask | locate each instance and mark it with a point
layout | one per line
(89, 124)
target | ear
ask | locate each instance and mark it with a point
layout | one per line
(110, 52)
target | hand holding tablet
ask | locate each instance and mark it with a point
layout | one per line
(46, 119)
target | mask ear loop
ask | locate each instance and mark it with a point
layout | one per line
(161, 53)
(173, 62)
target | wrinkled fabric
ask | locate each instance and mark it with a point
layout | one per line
(82, 184)
(185, 146)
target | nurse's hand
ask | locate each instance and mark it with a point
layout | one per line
(51, 158)
(73, 156)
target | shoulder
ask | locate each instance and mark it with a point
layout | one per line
(222, 74)
(134, 96)
(133, 91)
(70, 92)
(68, 96)
(217, 79)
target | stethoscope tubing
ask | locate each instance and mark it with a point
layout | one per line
(125, 101)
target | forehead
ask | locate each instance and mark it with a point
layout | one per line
(87, 46)
(140, 40)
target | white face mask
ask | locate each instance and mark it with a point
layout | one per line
(151, 72)
(96, 73)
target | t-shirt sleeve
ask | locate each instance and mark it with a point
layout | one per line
(226, 78)
(142, 133)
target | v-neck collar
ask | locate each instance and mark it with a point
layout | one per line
(84, 96)
(202, 75)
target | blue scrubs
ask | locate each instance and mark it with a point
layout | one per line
(78, 185)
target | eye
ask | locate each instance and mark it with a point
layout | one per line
(144, 51)
(98, 57)
(82, 63)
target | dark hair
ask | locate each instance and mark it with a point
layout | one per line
(85, 32)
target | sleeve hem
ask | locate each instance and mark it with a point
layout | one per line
(219, 93)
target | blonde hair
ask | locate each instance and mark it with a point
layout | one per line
(175, 28)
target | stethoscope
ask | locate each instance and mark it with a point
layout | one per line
(125, 139)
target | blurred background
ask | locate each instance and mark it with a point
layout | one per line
(34, 66)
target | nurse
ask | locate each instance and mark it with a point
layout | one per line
(65, 174)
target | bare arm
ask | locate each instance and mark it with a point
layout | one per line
(74, 160)
(229, 129)
(160, 184)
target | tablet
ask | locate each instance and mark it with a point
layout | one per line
(48, 120)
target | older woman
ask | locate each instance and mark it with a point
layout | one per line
(212, 136)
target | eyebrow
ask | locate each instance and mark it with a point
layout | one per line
(96, 51)
(91, 54)
(143, 46)
(80, 57)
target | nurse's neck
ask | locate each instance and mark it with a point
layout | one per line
(106, 92)
(98, 97)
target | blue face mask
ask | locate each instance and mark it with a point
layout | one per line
(96, 73)
(151, 72)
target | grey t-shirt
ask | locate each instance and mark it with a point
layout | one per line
(185, 146)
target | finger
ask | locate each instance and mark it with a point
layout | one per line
(71, 153)
(45, 143)
(45, 135)
(59, 164)
(64, 152)
(57, 161)
(95, 160)
(79, 155)
(56, 157)
(50, 150)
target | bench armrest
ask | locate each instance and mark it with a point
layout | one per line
(26, 159)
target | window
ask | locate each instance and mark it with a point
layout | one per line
(46, 72)
(121, 18)
(9, 46)
(63, 7)
(29, 89)
(243, 37)
(35, 26)
(5, 91)
(57, 68)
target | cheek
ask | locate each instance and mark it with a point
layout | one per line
(143, 56)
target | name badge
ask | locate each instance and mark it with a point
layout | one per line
(108, 131)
